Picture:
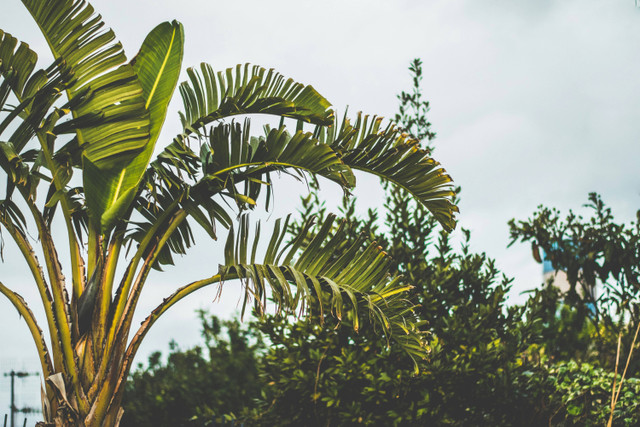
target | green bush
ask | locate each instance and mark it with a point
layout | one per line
(219, 379)
(572, 394)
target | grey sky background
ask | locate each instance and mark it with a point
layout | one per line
(533, 102)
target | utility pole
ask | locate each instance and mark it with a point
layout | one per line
(20, 374)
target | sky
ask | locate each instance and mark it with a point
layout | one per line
(533, 102)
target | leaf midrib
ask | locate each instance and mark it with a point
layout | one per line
(164, 63)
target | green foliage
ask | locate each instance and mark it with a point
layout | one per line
(413, 109)
(217, 380)
(334, 376)
(601, 258)
(211, 174)
(574, 394)
(317, 376)
(592, 251)
(549, 362)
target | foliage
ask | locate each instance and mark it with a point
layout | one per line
(220, 378)
(77, 142)
(601, 258)
(314, 378)
(574, 394)
(591, 251)
(412, 111)
(547, 363)
(564, 331)
(475, 340)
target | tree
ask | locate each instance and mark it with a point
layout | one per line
(312, 378)
(601, 259)
(94, 114)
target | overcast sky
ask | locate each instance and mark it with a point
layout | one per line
(533, 102)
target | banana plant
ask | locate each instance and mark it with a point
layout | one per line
(77, 140)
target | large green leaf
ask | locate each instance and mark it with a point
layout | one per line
(210, 96)
(157, 66)
(395, 157)
(111, 121)
(353, 283)
(110, 87)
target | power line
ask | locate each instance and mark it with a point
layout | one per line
(14, 410)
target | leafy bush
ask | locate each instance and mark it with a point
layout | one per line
(217, 380)
(573, 394)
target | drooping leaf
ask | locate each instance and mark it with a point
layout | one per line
(209, 96)
(395, 157)
(354, 285)
(230, 157)
(16, 65)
